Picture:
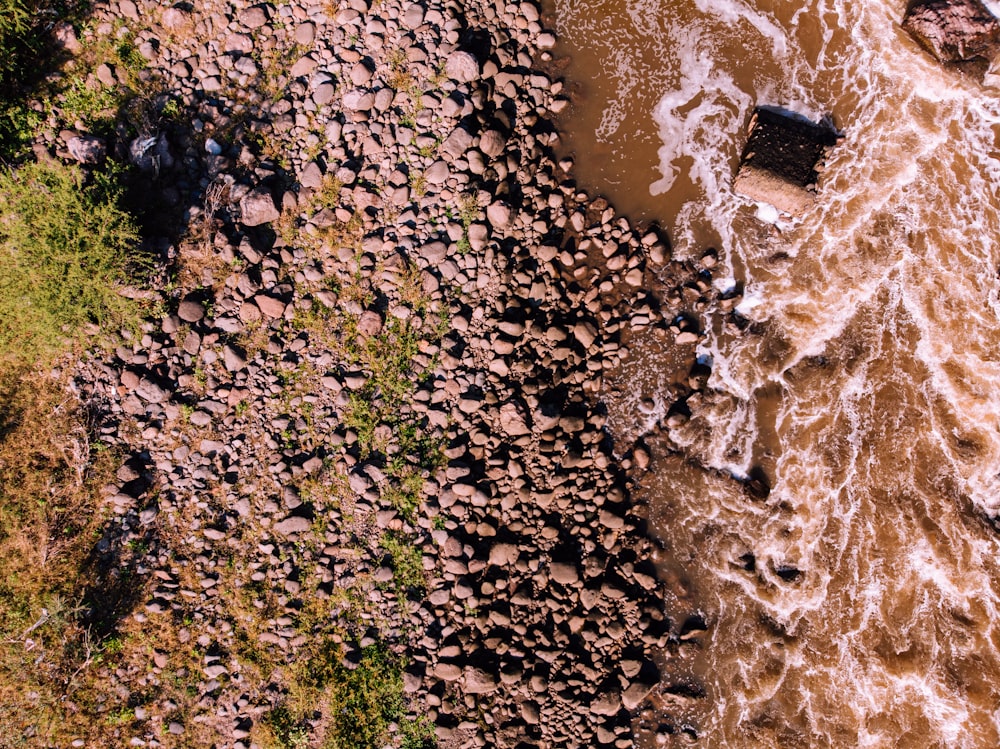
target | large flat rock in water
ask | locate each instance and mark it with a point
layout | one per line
(780, 159)
(960, 33)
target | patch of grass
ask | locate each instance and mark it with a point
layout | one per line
(468, 209)
(332, 234)
(406, 561)
(50, 477)
(66, 249)
(272, 62)
(399, 76)
(404, 493)
(360, 704)
(387, 357)
(26, 56)
(468, 212)
(418, 183)
(82, 97)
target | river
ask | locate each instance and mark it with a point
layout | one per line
(858, 603)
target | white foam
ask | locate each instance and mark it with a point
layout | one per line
(731, 12)
(768, 213)
(724, 284)
(750, 302)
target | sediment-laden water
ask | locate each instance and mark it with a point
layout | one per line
(859, 603)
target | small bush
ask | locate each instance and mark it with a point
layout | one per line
(27, 55)
(66, 249)
(363, 707)
(406, 560)
(365, 701)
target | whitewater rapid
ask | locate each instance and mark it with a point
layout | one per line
(859, 603)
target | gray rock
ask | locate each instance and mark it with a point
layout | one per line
(311, 175)
(565, 574)
(504, 554)
(585, 333)
(234, 358)
(457, 143)
(305, 33)
(292, 525)
(437, 173)
(190, 310)
(413, 16)
(269, 305)
(478, 681)
(492, 143)
(151, 154)
(175, 18)
(257, 207)
(479, 235)
(106, 74)
(361, 73)
(254, 17)
(87, 149)
(359, 100)
(304, 66)
(962, 32)
(434, 253)
(65, 36)
(447, 671)
(323, 94)
(780, 159)
(499, 214)
(150, 391)
(462, 67)
(608, 703)
(635, 694)
(512, 419)
(238, 43)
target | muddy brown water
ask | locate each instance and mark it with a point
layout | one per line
(858, 604)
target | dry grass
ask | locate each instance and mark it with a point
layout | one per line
(199, 261)
(52, 637)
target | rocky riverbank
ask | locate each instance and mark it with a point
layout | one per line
(372, 416)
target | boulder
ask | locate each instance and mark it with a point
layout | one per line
(292, 525)
(462, 67)
(478, 681)
(962, 33)
(257, 207)
(780, 160)
(87, 149)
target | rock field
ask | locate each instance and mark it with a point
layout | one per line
(376, 409)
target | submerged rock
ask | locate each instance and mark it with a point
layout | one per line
(962, 33)
(780, 160)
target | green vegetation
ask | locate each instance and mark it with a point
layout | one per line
(84, 98)
(406, 561)
(66, 248)
(21, 36)
(30, 94)
(468, 211)
(364, 706)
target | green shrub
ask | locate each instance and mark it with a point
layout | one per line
(66, 248)
(365, 701)
(406, 560)
(15, 23)
(362, 707)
